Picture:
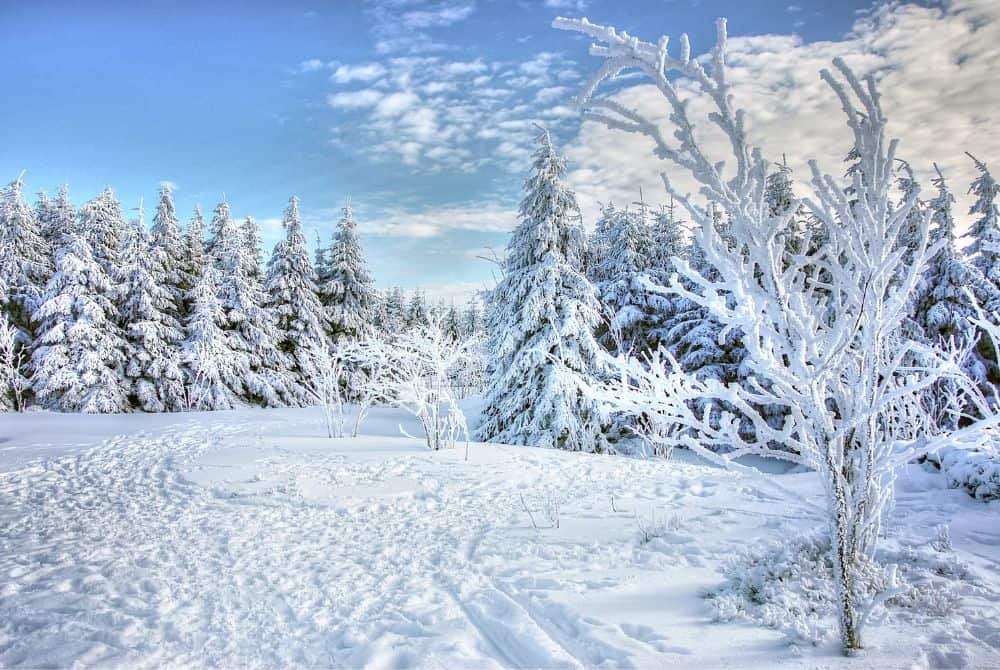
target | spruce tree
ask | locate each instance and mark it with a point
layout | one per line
(985, 231)
(249, 326)
(345, 287)
(56, 217)
(152, 333)
(167, 244)
(417, 314)
(194, 260)
(630, 310)
(541, 318)
(25, 261)
(78, 355)
(292, 296)
(102, 224)
(394, 317)
(214, 370)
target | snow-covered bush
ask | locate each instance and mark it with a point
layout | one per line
(325, 383)
(423, 361)
(790, 586)
(977, 471)
(821, 322)
(13, 382)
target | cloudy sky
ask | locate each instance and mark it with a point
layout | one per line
(421, 111)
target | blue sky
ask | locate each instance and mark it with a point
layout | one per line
(421, 111)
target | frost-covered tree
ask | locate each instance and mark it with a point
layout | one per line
(394, 313)
(253, 260)
(668, 240)
(25, 263)
(346, 288)
(214, 370)
(78, 355)
(597, 241)
(417, 312)
(630, 310)
(473, 320)
(56, 217)
(102, 224)
(151, 332)
(985, 231)
(194, 253)
(542, 316)
(834, 358)
(14, 383)
(291, 294)
(249, 326)
(451, 322)
(168, 246)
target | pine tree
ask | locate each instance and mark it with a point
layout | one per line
(78, 354)
(194, 260)
(151, 332)
(102, 224)
(668, 241)
(543, 310)
(249, 326)
(597, 242)
(473, 320)
(631, 310)
(171, 255)
(394, 318)
(345, 287)
(985, 231)
(451, 323)
(292, 297)
(253, 261)
(417, 314)
(56, 217)
(214, 370)
(25, 263)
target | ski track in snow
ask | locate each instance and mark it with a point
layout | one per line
(203, 545)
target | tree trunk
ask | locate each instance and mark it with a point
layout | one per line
(844, 572)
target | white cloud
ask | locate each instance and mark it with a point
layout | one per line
(459, 68)
(311, 65)
(395, 104)
(487, 217)
(936, 71)
(365, 72)
(366, 97)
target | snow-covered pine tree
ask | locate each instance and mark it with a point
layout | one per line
(541, 320)
(152, 333)
(253, 250)
(452, 322)
(167, 245)
(194, 259)
(345, 287)
(668, 240)
(25, 261)
(630, 310)
(78, 354)
(57, 217)
(102, 224)
(417, 312)
(249, 326)
(214, 370)
(291, 294)
(473, 324)
(394, 316)
(985, 231)
(597, 241)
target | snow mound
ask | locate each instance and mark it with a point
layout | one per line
(976, 471)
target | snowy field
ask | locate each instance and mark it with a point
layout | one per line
(246, 539)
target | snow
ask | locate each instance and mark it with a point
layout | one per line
(247, 538)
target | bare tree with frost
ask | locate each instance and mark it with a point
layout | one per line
(13, 382)
(821, 325)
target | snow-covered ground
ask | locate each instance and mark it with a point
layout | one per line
(247, 539)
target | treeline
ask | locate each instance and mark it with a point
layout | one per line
(568, 300)
(102, 314)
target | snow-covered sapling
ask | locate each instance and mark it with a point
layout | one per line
(324, 384)
(821, 321)
(13, 382)
(423, 362)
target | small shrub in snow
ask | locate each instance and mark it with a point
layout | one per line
(789, 586)
(974, 470)
(653, 526)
